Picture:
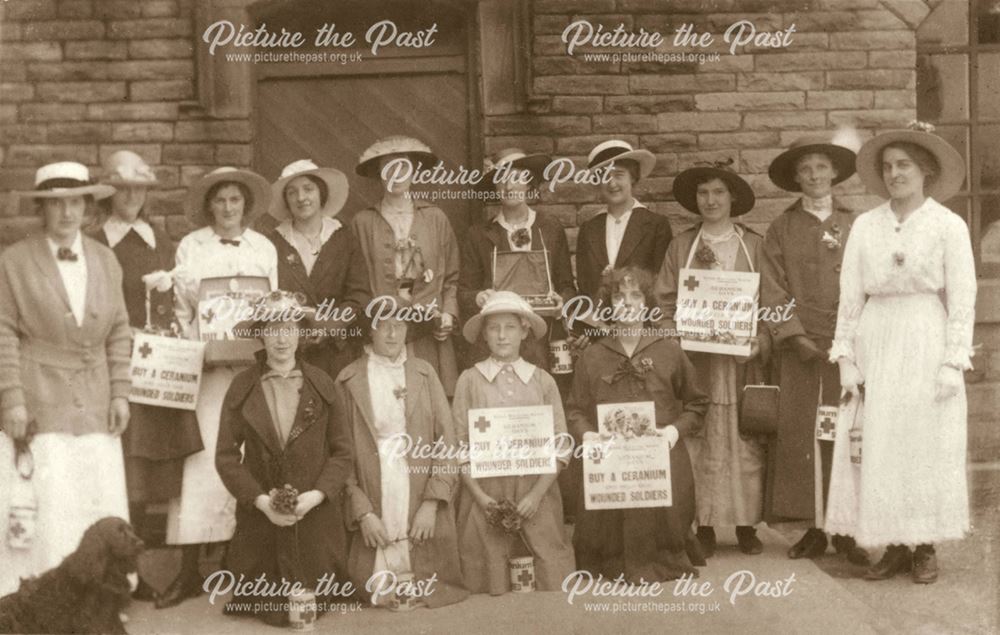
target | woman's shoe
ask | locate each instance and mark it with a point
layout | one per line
(855, 554)
(694, 551)
(706, 536)
(182, 588)
(143, 592)
(811, 545)
(896, 559)
(925, 569)
(749, 543)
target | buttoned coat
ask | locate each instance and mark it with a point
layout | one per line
(643, 245)
(798, 266)
(317, 456)
(66, 375)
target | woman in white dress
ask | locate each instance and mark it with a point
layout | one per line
(904, 331)
(224, 202)
(64, 358)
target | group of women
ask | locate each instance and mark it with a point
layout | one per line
(881, 303)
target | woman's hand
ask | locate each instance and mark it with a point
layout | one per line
(118, 416)
(446, 326)
(528, 505)
(672, 434)
(373, 531)
(15, 422)
(306, 501)
(579, 342)
(484, 501)
(850, 376)
(555, 297)
(423, 521)
(949, 381)
(263, 503)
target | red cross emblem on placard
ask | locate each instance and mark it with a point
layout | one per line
(692, 283)
(826, 425)
(482, 424)
(145, 350)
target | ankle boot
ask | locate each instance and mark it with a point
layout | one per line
(925, 569)
(706, 536)
(811, 545)
(748, 541)
(855, 555)
(897, 559)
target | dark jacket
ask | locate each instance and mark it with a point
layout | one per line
(643, 245)
(797, 264)
(316, 456)
(340, 277)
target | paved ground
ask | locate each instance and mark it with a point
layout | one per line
(825, 596)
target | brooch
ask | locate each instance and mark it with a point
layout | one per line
(399, 392)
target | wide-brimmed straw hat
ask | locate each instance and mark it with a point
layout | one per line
(686, 186)
(416, 150)
(64, 179)
(337, 187)
(503, 302)
(617, 151)
(126, 168)
(274, 308)
(515, 158)
(950, 163)
(259, 188)
(783, 169)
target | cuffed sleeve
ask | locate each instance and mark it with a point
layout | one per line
(960, 292)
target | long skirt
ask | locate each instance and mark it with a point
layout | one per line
(205, 511)
(395, 510)
(645, 543)
(485, 550)
(913, 487)
(77, 481)
(728, 468)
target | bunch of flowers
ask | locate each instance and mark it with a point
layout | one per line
(283, 499)
(706, 256)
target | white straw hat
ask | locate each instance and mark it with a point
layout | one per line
(503, 302)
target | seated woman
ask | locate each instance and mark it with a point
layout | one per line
(654, 543)
(505, 380)
(266, 440)
(400, 504)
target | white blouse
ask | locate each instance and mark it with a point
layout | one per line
(201, 254)
(930, 252)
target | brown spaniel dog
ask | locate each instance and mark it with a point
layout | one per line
(85, 593)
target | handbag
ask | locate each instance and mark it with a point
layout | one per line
(759, 409)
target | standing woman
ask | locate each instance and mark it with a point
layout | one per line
(158, 439)
(728, 467)
(64, 363)
(517, 227)
(904, 331)
(800, 287)
(224, 202)
(319, 257)
(410, 249)
(399, 504)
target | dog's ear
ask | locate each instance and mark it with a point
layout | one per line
(88, 562)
